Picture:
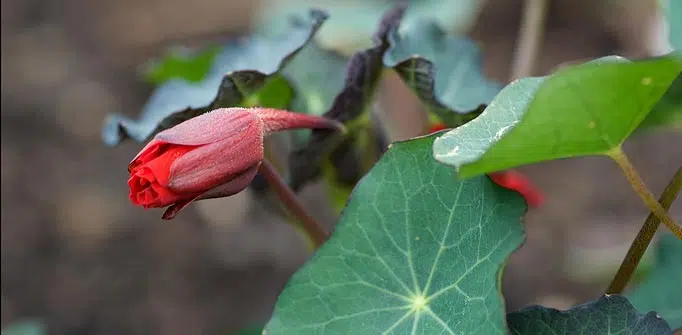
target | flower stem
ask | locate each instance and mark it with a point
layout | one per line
(530, 38)
(644, 237)
(312, 228)
(640, 188)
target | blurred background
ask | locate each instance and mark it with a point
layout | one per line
(83, 260)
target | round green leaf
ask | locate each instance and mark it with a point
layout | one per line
(611, 314)
(589, 109)
(417, 251)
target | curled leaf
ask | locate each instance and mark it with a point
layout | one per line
(351, 21)
(241, 70)
(349, 107)
(444, 71)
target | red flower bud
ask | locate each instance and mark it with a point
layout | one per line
(213, 155)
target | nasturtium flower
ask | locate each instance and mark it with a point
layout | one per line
(213, 155)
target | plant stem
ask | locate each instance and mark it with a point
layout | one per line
(311, 227)
(530, 38)
(640, 188)
(644, 237)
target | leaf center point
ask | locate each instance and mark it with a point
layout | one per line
(419, 302)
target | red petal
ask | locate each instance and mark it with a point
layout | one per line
(232, 187)
(161, 165)
(147, 192)
(149, 173)
(149, 152)
(173, 210)
(215, 164)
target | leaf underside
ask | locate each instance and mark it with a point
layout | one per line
(352, 21)
(444, 71)
(350, 106)
(239, 72)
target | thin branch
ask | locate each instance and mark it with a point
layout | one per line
(640, 188)
(312, 228)
(644, 237)
(529, 38)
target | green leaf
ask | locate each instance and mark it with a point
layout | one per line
(444, 71)
(588, 109)
(349, 107)
(181, 63)
(668, 110)
(251, 330)
(317, 77)
(352, 22)
(240, 72)
(25, 327)
(611, 314)
(660, 292)
(417, 251)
